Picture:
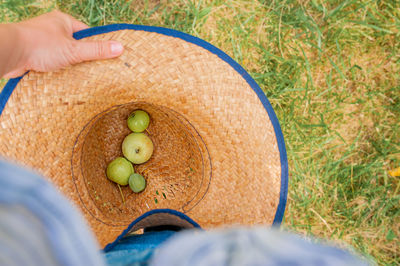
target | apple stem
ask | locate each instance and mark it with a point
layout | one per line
(122, 195)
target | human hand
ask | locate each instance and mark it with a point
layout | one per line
(45, 43)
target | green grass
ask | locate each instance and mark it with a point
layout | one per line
(331, 70)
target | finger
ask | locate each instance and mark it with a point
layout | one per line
(94, 50)
(14, 74)
(77, 25)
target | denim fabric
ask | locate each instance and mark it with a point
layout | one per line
(39, 226)
(248, 246)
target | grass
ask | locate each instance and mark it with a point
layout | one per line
(331, 70)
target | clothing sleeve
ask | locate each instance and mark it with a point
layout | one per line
(39, 226)
(249, 246)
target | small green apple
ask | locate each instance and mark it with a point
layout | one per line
(138, 121)
(137, 148)
(119, 171)
(137, 183)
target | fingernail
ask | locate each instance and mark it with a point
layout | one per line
(116, 48)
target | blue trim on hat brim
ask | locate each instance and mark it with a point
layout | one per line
(7, 91)
(5, 94)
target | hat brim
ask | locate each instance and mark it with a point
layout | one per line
(247, 188)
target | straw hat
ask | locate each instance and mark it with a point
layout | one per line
(219, 153)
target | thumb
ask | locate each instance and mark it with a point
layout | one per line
(94, 50)
(14, 74)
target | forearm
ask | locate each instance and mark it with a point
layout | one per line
(11, 48)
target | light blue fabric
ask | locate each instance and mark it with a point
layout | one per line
(38, 225)
(248, 246)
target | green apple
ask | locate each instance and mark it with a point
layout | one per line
(137, 183)
(119, 171)
(138, 121)
(137, 148)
